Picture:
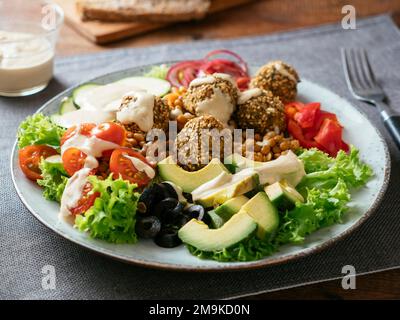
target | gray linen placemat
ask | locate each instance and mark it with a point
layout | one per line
(26, 245)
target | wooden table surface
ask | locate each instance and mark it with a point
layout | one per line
(261, 17)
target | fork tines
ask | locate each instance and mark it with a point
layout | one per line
(359, 74)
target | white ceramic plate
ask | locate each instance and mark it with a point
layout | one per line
(358, 131)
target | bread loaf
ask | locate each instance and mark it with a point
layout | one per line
(142, 10)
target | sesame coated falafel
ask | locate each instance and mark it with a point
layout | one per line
(196, 141)
(160, 119)
(160, 114)
(260, 110)
(279, 78)
(215, 95)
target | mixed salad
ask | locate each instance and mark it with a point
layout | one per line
(120, 172)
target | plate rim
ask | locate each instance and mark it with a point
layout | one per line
(222, 266)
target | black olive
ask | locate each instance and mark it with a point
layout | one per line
(159, 192)
(188, 197)
(195, 211)
(148, 227)
(145, 201)
(177, 211)
(165, 206)
(149, 198)
(168, 238)
(181, 220)
(171, 215)
(169, 190)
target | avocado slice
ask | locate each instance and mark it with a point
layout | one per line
(188, 181)
(226, 210)
(283, 196)
(225, 187)
(264, 213)
(198, 234)
(239, 162)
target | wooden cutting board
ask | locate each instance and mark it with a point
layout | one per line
(104, 32)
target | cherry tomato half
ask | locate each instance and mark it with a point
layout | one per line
(85, 129)
(122, 166)
(86, 201)
(30, 157)
(73, 160)
(111, 132)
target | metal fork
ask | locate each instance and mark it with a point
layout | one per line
(364, 87)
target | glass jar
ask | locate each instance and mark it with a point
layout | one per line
(28, 35)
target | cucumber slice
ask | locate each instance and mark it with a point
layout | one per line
(78, 95)
(283, 196)
(155, 86)
(67, 105)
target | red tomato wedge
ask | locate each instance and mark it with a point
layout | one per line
(315, 128)
(29, 159)
(330, 137)
(310, 133)
(121, 165)
(86, 201)
(297, 133)
(73, 160)
(306, 117)
(85, 129)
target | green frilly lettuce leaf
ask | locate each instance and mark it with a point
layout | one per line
(113, 215)
(39, 129)
(54, 179)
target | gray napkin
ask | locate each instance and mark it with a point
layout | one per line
(26, 246)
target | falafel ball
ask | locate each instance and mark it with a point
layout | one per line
(279, 78)
(198, 142)
(260, 110)
(160, 118)
(160, 113)
(214, 95)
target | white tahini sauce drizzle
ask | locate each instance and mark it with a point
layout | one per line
(248, 94)
(104, 97)
(223, 181)
(226, 77)
(281, 69)
(141, 166)
(73, 191)
(80, 116)
(93, 147)
(139, 110)
(202, 80)
(219, 106)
